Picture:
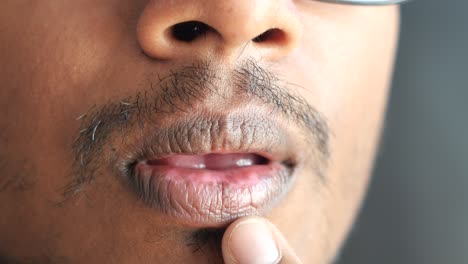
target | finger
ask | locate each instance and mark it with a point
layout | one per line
(254, 240)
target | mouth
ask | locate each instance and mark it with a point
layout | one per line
(209, 171)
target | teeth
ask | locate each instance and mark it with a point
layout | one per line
(210, 161)
(244, 162)
(199, 166)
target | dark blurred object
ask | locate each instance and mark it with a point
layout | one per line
(417, 208)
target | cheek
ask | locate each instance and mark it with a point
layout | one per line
(345, 73)
(50, 63)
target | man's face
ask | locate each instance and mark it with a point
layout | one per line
(135, 131)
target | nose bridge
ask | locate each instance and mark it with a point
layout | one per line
(172, 29)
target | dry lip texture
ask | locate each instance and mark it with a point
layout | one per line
(246, 191)
(249, 191)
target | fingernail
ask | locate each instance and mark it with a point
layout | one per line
(252, 242)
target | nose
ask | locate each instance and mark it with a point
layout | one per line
(178, 29)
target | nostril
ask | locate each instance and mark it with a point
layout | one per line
(189, 31)
(271, 35)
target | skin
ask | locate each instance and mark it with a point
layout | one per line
(59, 58)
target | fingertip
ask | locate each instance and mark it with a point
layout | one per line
(250, 240)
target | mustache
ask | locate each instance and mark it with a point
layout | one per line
(179, 92)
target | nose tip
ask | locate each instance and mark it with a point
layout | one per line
(179, 29)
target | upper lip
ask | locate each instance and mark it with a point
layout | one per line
(214, 133)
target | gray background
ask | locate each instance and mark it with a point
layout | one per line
(417, 210)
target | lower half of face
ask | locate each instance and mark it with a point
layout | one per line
(109, 156)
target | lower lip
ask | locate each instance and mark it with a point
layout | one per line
(212, 198)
